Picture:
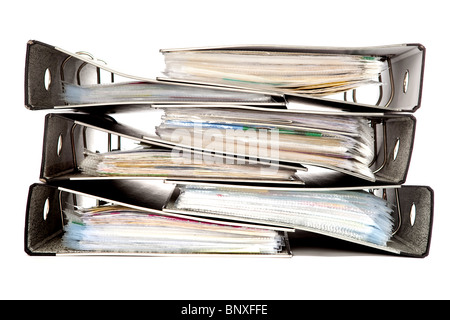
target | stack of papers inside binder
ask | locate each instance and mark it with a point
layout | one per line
(148, 162)
(342, 143)
(137, 92)
(113, 228)
(355, 215)
(303, 73)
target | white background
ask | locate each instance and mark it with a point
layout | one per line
(128, 35)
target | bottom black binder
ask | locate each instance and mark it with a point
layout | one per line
(44, 228)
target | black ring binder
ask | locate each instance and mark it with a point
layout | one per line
(43, 237)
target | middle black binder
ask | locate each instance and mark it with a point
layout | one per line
(70, 138)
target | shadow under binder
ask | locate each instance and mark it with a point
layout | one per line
(45, 220)
(65, 140)
(47, 68)
(413, 216)
(400, 85)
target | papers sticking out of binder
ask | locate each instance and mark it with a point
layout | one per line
(377, 77)
(56, 78)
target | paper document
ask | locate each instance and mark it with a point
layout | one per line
(356, 215)
(343, 143)
(141, 92)
(166, 163)
(111, 228)
(304, 73)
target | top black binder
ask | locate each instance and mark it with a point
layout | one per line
(48, 68)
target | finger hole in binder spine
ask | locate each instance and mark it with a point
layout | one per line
(46, 209)
(406, 81)
(59, 145)
(412, 214)
(396, 148)
(47, 79)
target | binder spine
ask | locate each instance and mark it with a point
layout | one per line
(408, 70)
(43, 222)
(415, 210)
(394, 141)
(61, 147)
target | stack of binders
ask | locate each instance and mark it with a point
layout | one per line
(237, 150)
